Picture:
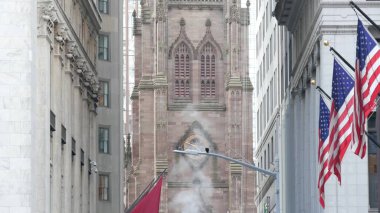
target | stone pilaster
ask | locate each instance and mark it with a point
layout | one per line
(46, 19)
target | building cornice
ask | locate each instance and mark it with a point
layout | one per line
(160, 81)
(234, 82)
(146, 83)
(193, 107)
(196, 4)
(54, 24)
(74, 36)
(93, 13)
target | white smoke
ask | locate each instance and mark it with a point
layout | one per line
(198, 197)
(195, 199)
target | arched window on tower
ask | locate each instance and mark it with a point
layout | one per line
(208, 72)
(182, 72)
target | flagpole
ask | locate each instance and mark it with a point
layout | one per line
(365, 15)
(321, 90)
(343, 59)
(327, 96)
(145, 191)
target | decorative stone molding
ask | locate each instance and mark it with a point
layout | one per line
(247, 84)
(161, 165)
(57, 27)
(196, 137)
(49, 17)
(61, 33)
(146, 82)
(200, 107)
(234, 82)
(71, 49)
(160, 81)
(234, 13)
(244, 17)
(146, 15)
(196, 4)
(80, 64)
(235, 169)
(208, 38)
(135, 93)
(160, 11)
(182, 37)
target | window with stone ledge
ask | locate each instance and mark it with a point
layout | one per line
(182, 72)
(103, 6)
(103, 47)
(104, 187)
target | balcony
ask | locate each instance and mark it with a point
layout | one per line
(287, 12)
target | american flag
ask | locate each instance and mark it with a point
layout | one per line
(367, 87)
(324, 173)
(341, 117)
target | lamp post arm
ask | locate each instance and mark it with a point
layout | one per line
(241, 163)
(194, 152)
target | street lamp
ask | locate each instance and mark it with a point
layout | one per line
(253, 167)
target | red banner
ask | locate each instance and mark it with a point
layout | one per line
(151, 202)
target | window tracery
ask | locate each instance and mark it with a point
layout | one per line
(182, 70)
(208, 71)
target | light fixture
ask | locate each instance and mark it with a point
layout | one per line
(313, 81)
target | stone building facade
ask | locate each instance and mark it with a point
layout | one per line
(192, 91)
(308, 24)
(49, 125)
(110, 151)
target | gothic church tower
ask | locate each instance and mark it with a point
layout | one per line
(192, 91)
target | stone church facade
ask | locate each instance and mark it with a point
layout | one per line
(192, 91)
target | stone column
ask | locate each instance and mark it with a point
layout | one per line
(56, 101)
(145, 171)
(67, 93)
(41, 104)
(76, 126)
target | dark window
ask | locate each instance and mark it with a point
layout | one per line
(73, 143)
(182, 72)
(103, 6)
(82, 157)
(104, 140)
(89, 166)
(52, 123)
(265, 159)
(208, 71)
(104, 94)
(103, 187)
(272, 151)
(372, 164)
(63, 135)
(103, 51)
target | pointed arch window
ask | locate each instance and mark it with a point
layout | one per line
(182, 71)
(208, 72)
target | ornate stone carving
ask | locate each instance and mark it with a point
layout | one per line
(49, 14)
(208, 38)
(160, 11)
(234, 13)
(80, 65)
(71, 49)
(61, 33)
(182, 37)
